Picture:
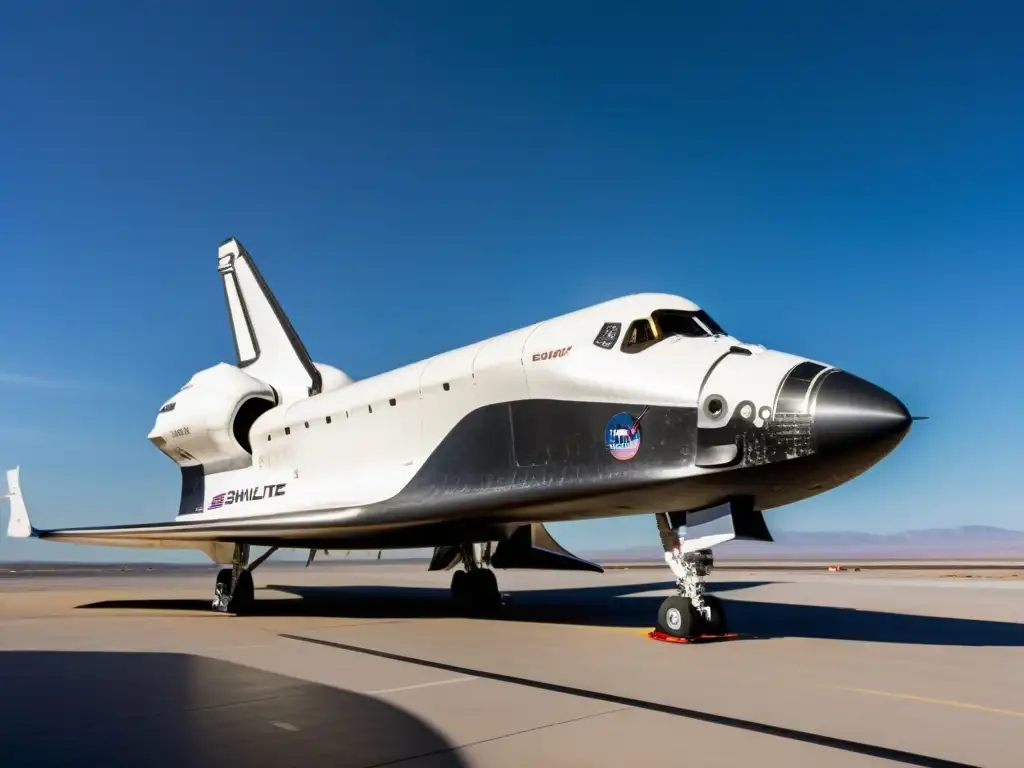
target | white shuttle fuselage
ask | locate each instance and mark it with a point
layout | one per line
(361, 442)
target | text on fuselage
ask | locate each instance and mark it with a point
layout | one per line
(256, 493)
(551, 354)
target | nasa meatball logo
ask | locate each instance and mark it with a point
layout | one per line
(622, 436)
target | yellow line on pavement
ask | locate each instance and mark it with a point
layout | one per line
(945, 702)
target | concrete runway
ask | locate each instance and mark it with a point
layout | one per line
(366, 665)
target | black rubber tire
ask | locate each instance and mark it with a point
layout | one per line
(483, 597)
(718, 625)
(460, 590)
(678, 618)
(245, 594)
(487, 583)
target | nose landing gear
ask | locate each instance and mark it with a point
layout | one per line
(690, 614)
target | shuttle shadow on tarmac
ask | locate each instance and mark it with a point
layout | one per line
(175, 709)
(615, 606)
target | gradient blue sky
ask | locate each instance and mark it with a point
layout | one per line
(844, 184)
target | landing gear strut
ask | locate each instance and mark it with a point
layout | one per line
(690, 613)
(475, 590)
(234, 591)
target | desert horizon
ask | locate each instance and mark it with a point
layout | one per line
(969, 542)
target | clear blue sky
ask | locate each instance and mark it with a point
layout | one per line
(412, 177)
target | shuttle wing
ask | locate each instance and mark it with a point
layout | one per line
(19, 526)
(213, 537)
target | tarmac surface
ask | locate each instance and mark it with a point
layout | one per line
(368, 665)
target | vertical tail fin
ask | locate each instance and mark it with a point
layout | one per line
(19, 526)
(267, 345)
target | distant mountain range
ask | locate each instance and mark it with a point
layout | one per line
(970, 541)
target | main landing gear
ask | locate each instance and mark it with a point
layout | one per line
(234, 591)
(691, 613)
(475, 590)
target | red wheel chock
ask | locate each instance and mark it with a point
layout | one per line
(656, 635)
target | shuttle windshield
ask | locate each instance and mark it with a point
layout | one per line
(671, 322)
(664, 323)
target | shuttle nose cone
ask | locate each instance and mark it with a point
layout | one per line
(851, 413)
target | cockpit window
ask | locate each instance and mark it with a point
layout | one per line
(672, 322)
(639, 335)
(608, 335)
(715, 328)
(662, 323)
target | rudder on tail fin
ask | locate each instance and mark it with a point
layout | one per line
(266, 343)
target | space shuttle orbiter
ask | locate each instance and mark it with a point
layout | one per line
(642, 405)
